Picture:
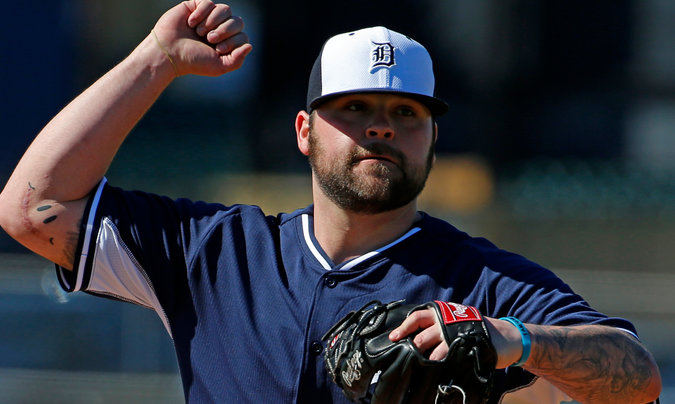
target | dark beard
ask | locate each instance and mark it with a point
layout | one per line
(384, 189)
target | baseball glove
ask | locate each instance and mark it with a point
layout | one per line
(369, 368)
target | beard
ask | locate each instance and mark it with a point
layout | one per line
(383, 187)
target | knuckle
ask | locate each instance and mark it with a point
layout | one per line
(241, 38)
(219, 30)
(238, 21)
(224, 8)
(419, 340)
(229, 26)
(205, 5)
(416, 315)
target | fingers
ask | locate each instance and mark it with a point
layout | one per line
(216, 24)
(200, 10)
(429, 339)
(214, 21)
(235, 59)
(223, 32)
(218, 15)
(228, 35)
(202, 37)
(416, 320)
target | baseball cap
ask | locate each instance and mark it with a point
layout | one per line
(374, 59)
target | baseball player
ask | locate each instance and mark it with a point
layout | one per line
(246, 297)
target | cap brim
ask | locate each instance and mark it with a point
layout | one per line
(436, 105)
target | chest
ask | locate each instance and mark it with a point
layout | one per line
(262, 317)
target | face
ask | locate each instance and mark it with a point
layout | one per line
(371, 153)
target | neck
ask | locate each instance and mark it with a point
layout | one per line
(344, 235)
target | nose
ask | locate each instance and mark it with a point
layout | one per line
(380, 127)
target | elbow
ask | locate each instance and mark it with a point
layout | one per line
(653, 385)
(14, 229)
(14, 218)
(8, 216)
(646, 377)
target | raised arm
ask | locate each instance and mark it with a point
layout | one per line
(43, 201)
(593, 364)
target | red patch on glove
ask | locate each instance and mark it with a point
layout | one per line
(454, 312)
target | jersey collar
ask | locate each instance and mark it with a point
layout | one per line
(323, 259)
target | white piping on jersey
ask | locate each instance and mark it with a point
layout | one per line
(87, 235)
(351, 264)
(312, 247)
(629, 332)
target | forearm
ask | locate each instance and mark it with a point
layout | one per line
(46, 195)
(42, 203)
(594, 364)
(73, 152)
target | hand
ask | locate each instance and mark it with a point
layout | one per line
(503, 335)
(203, 38)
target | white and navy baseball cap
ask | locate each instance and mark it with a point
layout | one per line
(371, 60)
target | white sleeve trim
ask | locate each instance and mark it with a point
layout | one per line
(86, 243)
(114, 271)
(88, 234)
(629, 332)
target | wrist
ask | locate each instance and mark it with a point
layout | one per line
(149, 57)
(506, 340)
(525, 340)
(165, 51)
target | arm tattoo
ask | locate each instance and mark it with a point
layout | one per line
(71, 237)
(595, 361)
(50, 218)
(26, 218)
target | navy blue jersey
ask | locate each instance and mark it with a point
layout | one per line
(247, 297)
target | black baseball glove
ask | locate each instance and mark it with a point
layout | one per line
(369, 368)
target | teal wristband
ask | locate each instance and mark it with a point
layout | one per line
(524, 336)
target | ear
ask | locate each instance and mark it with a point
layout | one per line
(302, 131)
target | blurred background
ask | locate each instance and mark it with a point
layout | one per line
(559, 145)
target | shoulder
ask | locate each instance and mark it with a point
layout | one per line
(478, 258)
(138, 214)
(147, 202)
(285, 218)
(445, 238)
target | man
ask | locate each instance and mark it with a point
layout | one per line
(246, 297)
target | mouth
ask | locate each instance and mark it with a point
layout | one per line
(378, 157)
(378, 154)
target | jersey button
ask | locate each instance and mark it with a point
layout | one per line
(330, 282)
(316, 348)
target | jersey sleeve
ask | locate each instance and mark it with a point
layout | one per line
(134, 247)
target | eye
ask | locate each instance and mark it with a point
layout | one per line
(406, 111)
(355, 106)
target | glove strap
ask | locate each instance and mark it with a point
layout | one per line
(525, 338)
